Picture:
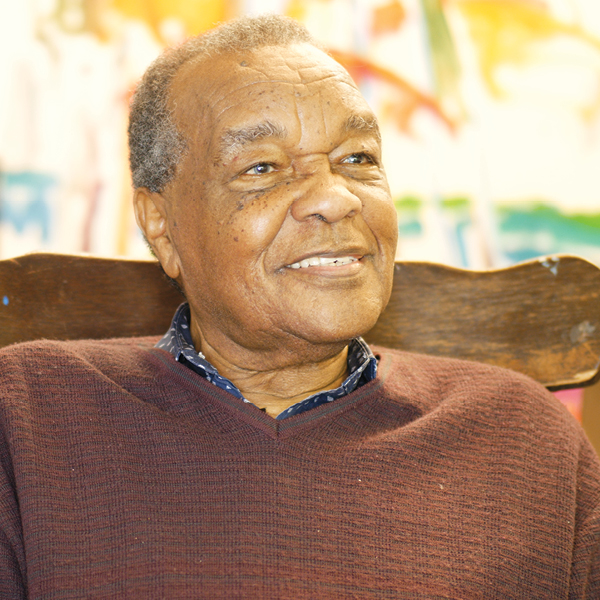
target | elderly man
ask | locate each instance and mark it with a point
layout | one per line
(260, 449)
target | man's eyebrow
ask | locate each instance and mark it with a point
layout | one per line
(363, 124)
(233, 139)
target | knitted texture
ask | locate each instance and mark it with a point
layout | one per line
(126, 475)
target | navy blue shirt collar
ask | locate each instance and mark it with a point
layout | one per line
(362, 365)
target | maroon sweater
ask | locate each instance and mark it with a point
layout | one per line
(126, 475)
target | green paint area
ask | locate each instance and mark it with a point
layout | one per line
(409, 210)
(454, 211)
(457, 206)
(443, 56)
(527, 230)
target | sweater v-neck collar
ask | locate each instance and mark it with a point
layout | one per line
(361, 364)
(252, 416)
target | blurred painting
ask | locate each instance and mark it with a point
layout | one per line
(489, 110)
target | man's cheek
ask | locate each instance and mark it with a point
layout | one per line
(260, 221)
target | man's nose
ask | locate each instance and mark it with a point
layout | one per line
(327, 199)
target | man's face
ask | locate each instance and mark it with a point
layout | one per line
(280, 214)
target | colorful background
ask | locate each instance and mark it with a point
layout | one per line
(490, 111)
(490, 115)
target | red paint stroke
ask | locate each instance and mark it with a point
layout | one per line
(359, 68)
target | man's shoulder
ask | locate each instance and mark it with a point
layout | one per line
(486, 410)
(47, 349)
(48, 377)
(474, 390)
(40, 359)
(443, 370)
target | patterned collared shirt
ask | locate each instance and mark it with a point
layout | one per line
(362, 365)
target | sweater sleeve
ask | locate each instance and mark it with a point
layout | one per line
(12, 553)
(12, 584)
(585, 569)
(12, 557)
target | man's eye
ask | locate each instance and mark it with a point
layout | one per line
(359, 158)
(260, 169)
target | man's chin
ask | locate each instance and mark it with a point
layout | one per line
(339, 328)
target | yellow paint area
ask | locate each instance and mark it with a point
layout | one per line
(170, 20)
(195, 15)
(387, 18)
(505, 31)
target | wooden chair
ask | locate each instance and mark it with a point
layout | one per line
(540, 317)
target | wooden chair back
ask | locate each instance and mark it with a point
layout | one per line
(541, 317)
(67, 297)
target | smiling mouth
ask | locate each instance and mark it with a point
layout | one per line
(324, 261)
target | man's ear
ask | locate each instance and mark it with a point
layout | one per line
(151, 216)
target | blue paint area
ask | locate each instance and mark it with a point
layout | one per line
(530, 230)
(457, 212)
(24, 200)
(411, 228)
(5, 301)
(460, 228)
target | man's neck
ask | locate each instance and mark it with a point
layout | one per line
(276, 389)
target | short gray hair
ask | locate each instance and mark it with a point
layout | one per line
(155, 145)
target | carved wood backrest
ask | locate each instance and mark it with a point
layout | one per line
(541, 317)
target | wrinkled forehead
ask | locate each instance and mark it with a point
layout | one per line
(209, 91)
(296, 63)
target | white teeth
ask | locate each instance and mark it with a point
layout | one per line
(319, 261)
(329, 260)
